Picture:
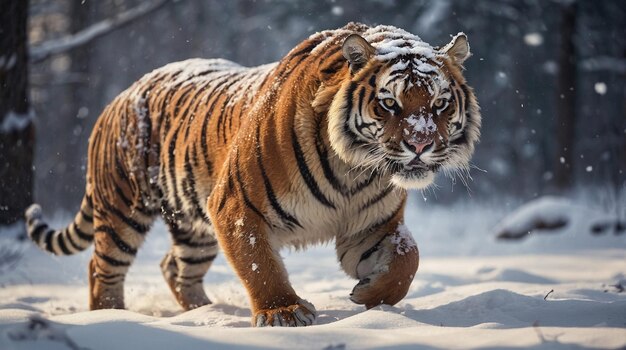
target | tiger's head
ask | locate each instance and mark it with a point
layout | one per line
(405, 109)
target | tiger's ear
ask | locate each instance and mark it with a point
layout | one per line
(357, 51)
(458, 49)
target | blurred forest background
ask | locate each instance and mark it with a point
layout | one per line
(549, 75)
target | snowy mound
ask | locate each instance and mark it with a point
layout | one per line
(543, 213)
(546, 214)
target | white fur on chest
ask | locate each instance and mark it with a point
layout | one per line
(351, 215)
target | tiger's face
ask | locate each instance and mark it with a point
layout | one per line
(406, 110)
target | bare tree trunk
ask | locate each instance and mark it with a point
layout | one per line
(622, 164)
(566, 97)
(16, 128)
(77, 114)
(80, 18)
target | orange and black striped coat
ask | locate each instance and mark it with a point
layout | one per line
(319, 146)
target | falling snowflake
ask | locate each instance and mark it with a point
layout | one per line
(533, 39)
(337, 10)
(600, 88)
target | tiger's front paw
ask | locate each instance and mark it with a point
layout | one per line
(390, 284)
(373, 291)
(299, 315)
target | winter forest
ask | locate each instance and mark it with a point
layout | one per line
(527, 250)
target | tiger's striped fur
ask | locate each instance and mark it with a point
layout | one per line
(301, 151)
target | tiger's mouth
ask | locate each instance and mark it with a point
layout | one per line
(414, 163)
(413, 175)
(417, 168)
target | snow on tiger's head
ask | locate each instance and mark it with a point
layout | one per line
(405, 108)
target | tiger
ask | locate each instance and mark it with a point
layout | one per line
(321, 146)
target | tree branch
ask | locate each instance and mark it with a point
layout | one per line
(52, 47)
(604, 63)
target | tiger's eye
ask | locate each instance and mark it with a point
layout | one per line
(439, 103)
(389, 102)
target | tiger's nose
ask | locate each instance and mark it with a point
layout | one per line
(416, 146)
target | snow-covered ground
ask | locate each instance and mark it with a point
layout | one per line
(562, 289)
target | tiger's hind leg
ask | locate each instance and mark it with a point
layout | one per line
(192, 253)
(117, 237)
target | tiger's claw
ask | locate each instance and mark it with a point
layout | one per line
(299, 315)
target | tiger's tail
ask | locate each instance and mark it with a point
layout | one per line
(76, 237)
